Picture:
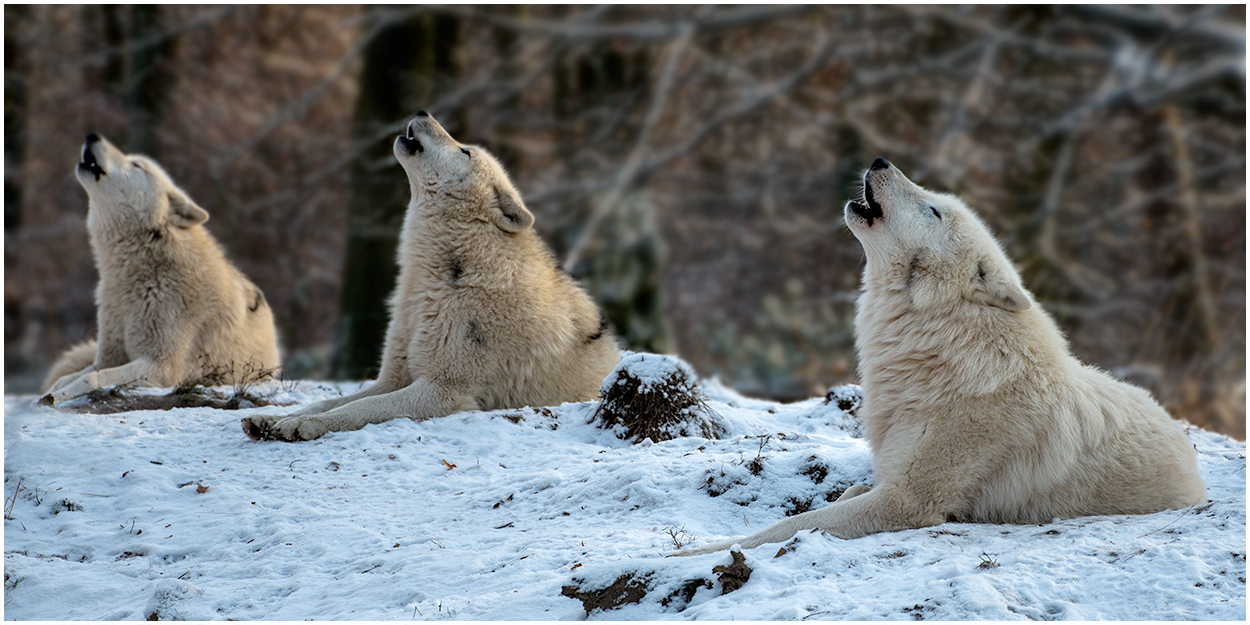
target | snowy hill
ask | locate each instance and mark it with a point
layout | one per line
(489, 515)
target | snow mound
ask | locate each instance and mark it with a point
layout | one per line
(656, 397)
(842, 405)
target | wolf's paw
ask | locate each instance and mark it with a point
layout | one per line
(75, 387)
(282, 428)
(260, 427)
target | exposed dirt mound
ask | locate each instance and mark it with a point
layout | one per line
(112, 400)
(191, 393)
(628, 588)
(848, 398)
(657, 397)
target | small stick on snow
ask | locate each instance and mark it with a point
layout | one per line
(1182, 515)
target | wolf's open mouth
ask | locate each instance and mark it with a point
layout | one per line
(89, 163)
(411, 143)
(870, 212)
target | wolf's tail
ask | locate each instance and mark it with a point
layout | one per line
(74, 359)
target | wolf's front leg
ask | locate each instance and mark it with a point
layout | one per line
(867, 511)
(423, 399)
(129, 373)
(65, 380)
(381, 386)
(258, 426)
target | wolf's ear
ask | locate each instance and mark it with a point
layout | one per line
(183, 213)
(512, 216)
(994, 287)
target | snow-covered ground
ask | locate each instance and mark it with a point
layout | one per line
(487, 515)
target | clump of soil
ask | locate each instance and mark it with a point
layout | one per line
(848, 398)
(632, 587)
(628, 588)
(732, 576)
(719, 482)
(815, 470)
(794, 506)
(681, 597)
(657, 397)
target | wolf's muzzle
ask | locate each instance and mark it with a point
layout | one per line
(89, 163)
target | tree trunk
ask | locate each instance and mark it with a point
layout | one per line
(402, 67)
(147, 86)
(622, 265)
(16, 76)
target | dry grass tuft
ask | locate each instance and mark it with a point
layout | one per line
(655, 396)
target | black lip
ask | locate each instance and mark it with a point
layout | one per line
(872, 202)
(870, 212)
(411, 145)
(89, 164)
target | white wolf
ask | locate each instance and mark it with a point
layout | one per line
(481, 317)
(170, 307)
(973, 406)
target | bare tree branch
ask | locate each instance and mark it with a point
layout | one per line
(752, 103)
(646, 31)
(1152, 22)
(629, 170)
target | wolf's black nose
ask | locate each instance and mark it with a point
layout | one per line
(422, 113)
(92, 138)
(880, 163)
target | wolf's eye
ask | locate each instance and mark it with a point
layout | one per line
(935, 212)
(466, 152)
(137, 166)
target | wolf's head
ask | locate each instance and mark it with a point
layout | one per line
(133, 189)
(470, 177)
(930, 244)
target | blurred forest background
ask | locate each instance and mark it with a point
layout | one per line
(688, 165)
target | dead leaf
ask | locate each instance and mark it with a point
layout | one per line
(201, 489)
(450, 466)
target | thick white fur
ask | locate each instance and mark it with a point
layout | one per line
(75, 359)
(170, 307)
(481, 318)
(973, 406)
